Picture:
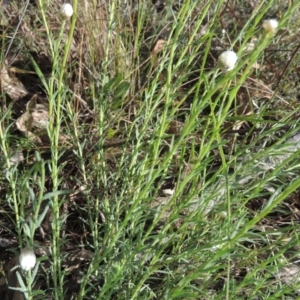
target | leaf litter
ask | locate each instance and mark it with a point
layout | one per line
(32, 124)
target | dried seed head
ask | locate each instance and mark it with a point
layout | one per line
(66, 11)
(227, 60)
(27, 259)
(270, 26)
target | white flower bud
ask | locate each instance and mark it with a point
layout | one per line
(249, 47)
(66, 11)
(227, 60)
(223, 214)
(27, 259)
(270, 26)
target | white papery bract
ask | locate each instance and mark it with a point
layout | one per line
(66, 11)
(27, 259)
(270, 26)
(227, 60)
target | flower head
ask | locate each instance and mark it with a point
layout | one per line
(250, 46)
(66, 11)
(27, 259)
(227, 60)
(270, 26)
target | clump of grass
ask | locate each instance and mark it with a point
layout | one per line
(153, 179)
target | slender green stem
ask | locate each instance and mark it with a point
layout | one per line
(54, 129)
(11, 173)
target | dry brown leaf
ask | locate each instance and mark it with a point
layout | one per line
(175, 127)
(256, 66)
(64, 139)
(31, 104)
(158, 46)
(11, 85)
(24, 123)
(40, 116)
(16, 158)
(34, 138)
(40, 137)
(257, 88)
(76, 258)
(244, 106)
(290, 275)
(33, 124)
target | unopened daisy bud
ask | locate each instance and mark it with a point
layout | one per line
(270, 26)
(66, 11)
(27, 259)
(227, 60)
(249, 47)
(223, 214)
